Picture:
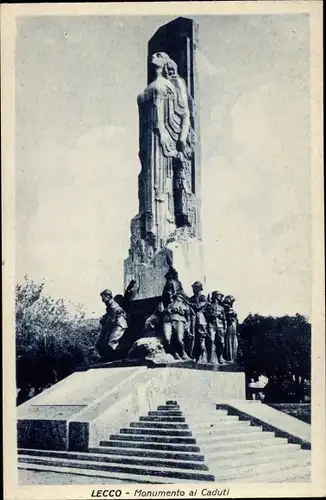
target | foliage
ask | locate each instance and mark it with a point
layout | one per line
(51, 341)
(302, 411)
(278, 348)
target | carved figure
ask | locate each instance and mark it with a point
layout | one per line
(216, 328)
(198, 303)
(176, 319)
(165, 149)
(172, 286)
(114, 324)
(231, 338)
(183, 197)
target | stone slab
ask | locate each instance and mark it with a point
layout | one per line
(204, 387)
(50, 434)
(80, 388)
(52, 411)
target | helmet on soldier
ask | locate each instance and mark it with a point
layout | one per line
(106, 295)
(217, 295)
(197, 286)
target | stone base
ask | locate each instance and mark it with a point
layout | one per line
(89, 405)
(184, 255)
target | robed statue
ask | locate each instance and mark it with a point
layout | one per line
(166, 147)
(231, 338)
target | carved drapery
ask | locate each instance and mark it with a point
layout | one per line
(166, 144)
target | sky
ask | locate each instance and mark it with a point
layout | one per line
(77, 80)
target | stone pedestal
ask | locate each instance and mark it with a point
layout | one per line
(89, 405)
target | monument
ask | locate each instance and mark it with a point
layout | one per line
(156, 339)
(159, 342)
(167, 230)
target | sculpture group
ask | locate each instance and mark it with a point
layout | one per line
(202, 328)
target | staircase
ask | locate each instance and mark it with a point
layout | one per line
(159, 448)
(238, 451)
(171, 446)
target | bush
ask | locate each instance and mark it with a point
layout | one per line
(51, 341)
(280, 349)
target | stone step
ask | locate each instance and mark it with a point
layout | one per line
(262, 468)
(273, 469)
(231, 436)
(294, 475)
(114, 458)
(170, 413)
(160, 425)
(102, 476)
(250, 441)
(242, 453)
(225, 430)
(151, 438)
(134, 469)
(206, 415)
(168, 407)
(217, 423)
(217, 462)
(143, 452)
(175, 447)
(213, 419)
(155, 432)
(216, 426)
(162, 419)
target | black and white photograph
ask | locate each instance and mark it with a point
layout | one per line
(163, 250)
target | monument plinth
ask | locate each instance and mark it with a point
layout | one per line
(167, 230)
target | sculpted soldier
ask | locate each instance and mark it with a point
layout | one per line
(172, 286)
(231, 337)
(216, 328)
(114, 324)
(176, 319)
(198, 303)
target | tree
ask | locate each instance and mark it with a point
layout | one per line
(280, 349)
(51, 342)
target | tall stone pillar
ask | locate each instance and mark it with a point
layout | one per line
(167, 230)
